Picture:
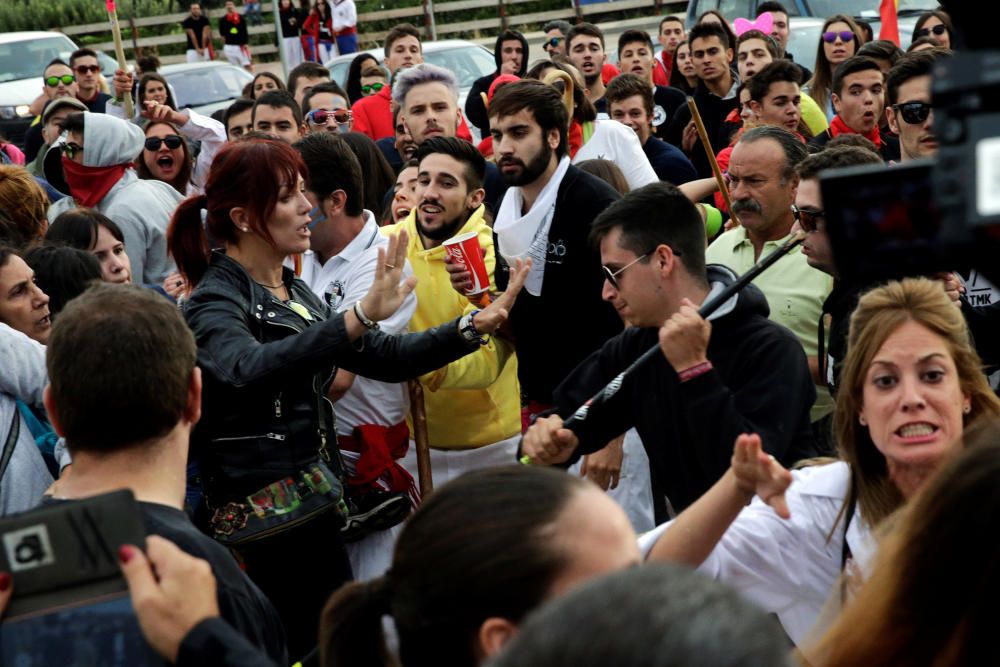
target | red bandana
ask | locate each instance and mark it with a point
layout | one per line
(233, 18)
(89, 185)
(838, 127)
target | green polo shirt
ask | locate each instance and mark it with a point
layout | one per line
(794, 290)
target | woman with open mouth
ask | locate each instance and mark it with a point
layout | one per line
(166, 155)
(910, 384)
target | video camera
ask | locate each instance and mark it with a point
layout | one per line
(927, 217)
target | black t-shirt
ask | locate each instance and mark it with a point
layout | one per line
(197, 26)
(666, 101)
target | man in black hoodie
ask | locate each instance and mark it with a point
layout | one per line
(735, 373)
(511, 55)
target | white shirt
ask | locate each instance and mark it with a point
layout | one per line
(344, 15)
(618, 143)
(787, 566)
(342, 281)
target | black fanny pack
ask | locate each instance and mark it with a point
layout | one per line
(280, 506)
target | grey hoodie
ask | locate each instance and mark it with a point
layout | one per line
(141, 208)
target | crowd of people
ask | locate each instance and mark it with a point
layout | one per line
(280, 326)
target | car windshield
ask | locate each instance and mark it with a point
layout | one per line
(27, 59)
(865, 8)
(467, 62)
(196, 87)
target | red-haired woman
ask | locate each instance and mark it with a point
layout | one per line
(268, 349)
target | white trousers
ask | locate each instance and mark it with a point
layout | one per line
(292, 48)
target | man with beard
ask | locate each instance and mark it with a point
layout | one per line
(546, 215)
(858, 98)
(555, 38)
(763, 185)
(472, 404)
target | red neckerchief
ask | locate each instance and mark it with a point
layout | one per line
(89, 185)
(838, 127)
(574, 138)
(233, 18)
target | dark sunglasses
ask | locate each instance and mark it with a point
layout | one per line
(552, 43)
(70, 150)
(375, 87)
(808, 219)
(612, 276)
(939, 29)
(171, 140)
(83, 69)
(913, 113)
(65, 79)
(845, 36)
(322, 116)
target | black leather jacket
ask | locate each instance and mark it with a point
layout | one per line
(266, 369)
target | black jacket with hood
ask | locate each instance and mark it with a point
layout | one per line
(475, 110)
(760, 383)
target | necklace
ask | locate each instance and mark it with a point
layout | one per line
(278, 286)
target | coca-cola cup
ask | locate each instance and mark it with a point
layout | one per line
(465, 249)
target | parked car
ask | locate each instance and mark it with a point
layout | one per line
(205, 87)
(468, 61)
(23, 57)
(806, 18)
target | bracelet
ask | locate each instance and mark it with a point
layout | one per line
(371, 325)
(467, 327)
(695, 371)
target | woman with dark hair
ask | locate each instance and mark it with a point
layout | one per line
(89, 230)
(319, 26)
(379, 175)
(268, 349)
(264, 82)
(935, 24)
(166, 154)
(910, 384)
(62, 272)
(683, 76)
(358, 65)
(291, 32)
(839, 40)
(714, 16)
(24, 306)
(467, 570)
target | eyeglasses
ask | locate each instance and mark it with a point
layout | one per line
(83, 69)
(374, 88)
(913, 113)
(807, 218)
(845, 36)
(171, 140)
(65, 79)
(323, 116)
(612, 276)
(552, 43)
(70, 150)
(939, 29)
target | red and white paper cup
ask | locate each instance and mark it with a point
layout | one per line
(465, 249)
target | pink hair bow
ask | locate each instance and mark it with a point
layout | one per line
(764, 23)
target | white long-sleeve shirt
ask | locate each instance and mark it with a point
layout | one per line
(344, 15)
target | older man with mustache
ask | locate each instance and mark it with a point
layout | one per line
(763, 184)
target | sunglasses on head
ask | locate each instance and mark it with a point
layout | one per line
(939, 29)
(374, 88)
(808, 218)
(65, 79)
(552, 43)
(913, 113)
(83, 69)
(171, 140)
(323, 116)
(845, 36)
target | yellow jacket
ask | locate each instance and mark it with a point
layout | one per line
(476, 400)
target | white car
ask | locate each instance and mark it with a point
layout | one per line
(205, 87)
(23, 57)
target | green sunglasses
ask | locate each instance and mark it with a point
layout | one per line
(374, 88)
(54, 81)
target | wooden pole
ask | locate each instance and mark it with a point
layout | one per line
(419, 416)
(707, 145)
(116, 32)
(579, 12)
(429, 19)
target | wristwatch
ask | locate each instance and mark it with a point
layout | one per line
(371, 325)
(467, 328)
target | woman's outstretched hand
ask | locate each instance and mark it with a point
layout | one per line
(759, 473)
(387, 294)
(489, 319)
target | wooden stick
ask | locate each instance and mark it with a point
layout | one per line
(707, 145)
(419, 415)
(116, 32)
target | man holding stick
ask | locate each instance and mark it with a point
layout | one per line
(715, 379)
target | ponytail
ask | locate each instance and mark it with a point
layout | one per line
(187, 241)
(350, 628)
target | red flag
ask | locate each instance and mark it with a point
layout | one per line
(890, 21)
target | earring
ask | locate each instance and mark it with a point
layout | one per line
(245, 229)
(862, 420)
(967, 409)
